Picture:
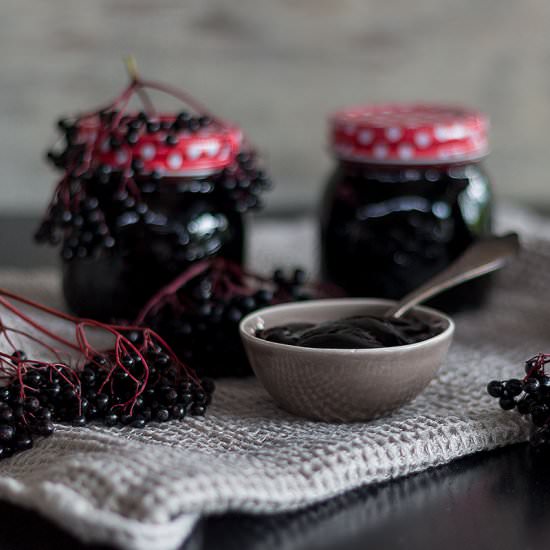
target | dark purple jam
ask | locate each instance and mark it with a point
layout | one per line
(385, 229)
(176, 228)
(359, 332)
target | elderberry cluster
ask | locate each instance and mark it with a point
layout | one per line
(97, 206)
(530, 397)
(97, 393)
(204, 331)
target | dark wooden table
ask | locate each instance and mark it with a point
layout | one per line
(493, 500)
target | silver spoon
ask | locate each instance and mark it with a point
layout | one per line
(480, 258)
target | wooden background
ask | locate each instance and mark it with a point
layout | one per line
(277, 67)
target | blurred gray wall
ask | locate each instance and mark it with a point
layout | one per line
(277, 67)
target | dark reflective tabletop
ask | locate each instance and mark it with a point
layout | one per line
(492, 500)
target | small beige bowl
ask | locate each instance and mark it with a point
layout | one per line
(341, 385)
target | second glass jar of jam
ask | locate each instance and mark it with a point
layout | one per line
(142, 197)
(408, 195)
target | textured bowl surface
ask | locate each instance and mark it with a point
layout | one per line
(336, 385)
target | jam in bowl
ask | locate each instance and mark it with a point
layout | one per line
(342, 385)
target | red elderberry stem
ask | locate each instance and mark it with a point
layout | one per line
(33, 323)
(181, 95)
(158, 299)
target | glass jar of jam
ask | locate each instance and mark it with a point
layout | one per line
(142, 197)
(408, 195)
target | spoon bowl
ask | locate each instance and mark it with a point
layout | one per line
(342, 385)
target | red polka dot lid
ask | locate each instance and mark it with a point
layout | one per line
(171, 154)
(414, 133)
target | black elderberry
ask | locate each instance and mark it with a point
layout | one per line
(162, 414)
(44, 413)
(54, 391)
(183, 118)
(507, 403)
(6, 433)
(64, 124)
(234, 315)
(88, 376)
(248, 303)
(102, 401)
(100, 360)
(134, 336)
(32, 404)
(153, 126)
(109, 242)
(531, 386)
(525, 405)
(198, 410)
(33, 379)
(127, 361)
(69, 394)
(169, 395)
(513, 387)
(111, 419)
(45, 428)
(177, 412)
(6, 414)
(105, 169)
(67, 253)
(122, 376)
(138, 422)
(22, 441)
(200, 396)
(161, 360)
(79, 420)
(19, 355)
(136, 124)
(126, 419)
(89, 204)
(132, 137)
(193, 124)
(139, 402)
(171, 140)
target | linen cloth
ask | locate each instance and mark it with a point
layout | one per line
(146, 489)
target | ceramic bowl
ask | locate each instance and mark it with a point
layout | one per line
(341, 385)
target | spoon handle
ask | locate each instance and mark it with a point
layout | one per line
(482, 257)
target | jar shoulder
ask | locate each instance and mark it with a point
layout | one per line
(352, 185)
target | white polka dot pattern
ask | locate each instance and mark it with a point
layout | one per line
(201, 152)
(409, 134)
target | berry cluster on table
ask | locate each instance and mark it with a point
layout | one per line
(530, 397)
(199, 313)
(98, 393)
